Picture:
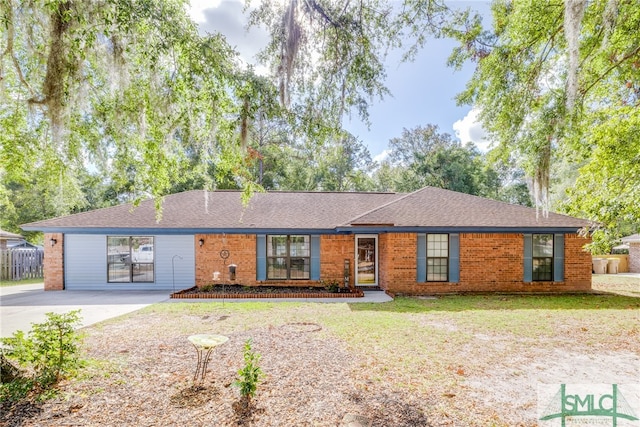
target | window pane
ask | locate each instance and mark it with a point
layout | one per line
(299, 268)
(437, 269)
(142, 272)
(299, 246)
(276, 268)
(142, 249)
(542, 245)
(542, 269)
(276, 245)
(437, 245)
(117, 249)
(118, 272)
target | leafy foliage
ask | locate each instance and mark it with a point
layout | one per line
(554, 82)
(49, 352)
(425, 157)
(249, 374)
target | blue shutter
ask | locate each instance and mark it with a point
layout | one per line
(421, 261)
(315, 258)
(261, 257)
(558, 257)
(528, 258)
(454, 258)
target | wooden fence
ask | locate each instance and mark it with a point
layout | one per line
(20, 264)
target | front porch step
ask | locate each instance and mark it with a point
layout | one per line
(369, 288)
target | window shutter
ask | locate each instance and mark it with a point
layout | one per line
(558, 257)
(261, 257)
(454, 258)
(528, 258)
(315, 258)
(421, 261)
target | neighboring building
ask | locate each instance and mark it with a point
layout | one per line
(634, 252)
(428, 241)
(7, 239)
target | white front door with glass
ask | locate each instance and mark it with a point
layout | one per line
(366, 260)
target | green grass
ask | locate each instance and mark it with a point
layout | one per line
(433, 347)
(620, 284)
(4, 283)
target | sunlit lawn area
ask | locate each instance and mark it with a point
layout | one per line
(20, 282)
(619, 283)
(454, 360)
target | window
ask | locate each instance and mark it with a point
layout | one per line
(542, 257)
(130, 259)
(288, 257)
(437, 257)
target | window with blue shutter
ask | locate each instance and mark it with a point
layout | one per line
(438, 258)
(543, 257)
(261, 257)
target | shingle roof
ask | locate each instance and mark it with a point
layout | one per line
(633, 238)
(5, 235)
(223, 210)
(437, 207)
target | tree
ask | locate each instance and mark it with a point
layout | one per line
(425, 157)
(548, 79)
(607, 186)
(128, 86)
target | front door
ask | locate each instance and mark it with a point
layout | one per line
(366, 260)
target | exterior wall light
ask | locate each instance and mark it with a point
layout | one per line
(201, 242)
(53, 241)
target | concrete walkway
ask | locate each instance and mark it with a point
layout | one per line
(22, 305)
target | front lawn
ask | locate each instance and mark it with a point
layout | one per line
(4, 283)
(618, 283)
(454, 360)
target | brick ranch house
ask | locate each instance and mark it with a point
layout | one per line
(425, 242)
(634, 252)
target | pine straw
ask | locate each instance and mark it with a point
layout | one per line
(149, 382)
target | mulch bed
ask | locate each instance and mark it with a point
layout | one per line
(239, 291)
(309, 380)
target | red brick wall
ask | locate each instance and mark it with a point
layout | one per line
(488, 263)
(634, 257)
(577, 263)
(53, 262)
(494, 262)
(333, 251)
(242, 249)
(242, 252)
(397, 260)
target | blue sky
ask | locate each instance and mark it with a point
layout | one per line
(423, 91)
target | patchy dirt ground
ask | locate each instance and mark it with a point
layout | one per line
(331, 364)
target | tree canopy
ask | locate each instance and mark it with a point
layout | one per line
(113, 100)
(559, 82)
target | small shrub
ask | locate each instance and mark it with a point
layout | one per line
(249, 375)
(331, 285)
(47, 354)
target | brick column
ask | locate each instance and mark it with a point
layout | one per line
(53, 262)
(634, 257)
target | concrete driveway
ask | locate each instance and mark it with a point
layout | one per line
(22, 305)
(25, 304)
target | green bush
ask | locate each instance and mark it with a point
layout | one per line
(331, 285)
(250, 374)
(46, 355)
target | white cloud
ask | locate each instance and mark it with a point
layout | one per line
(228, 18)
(382, 156)
(197, 8)
(470, 129)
